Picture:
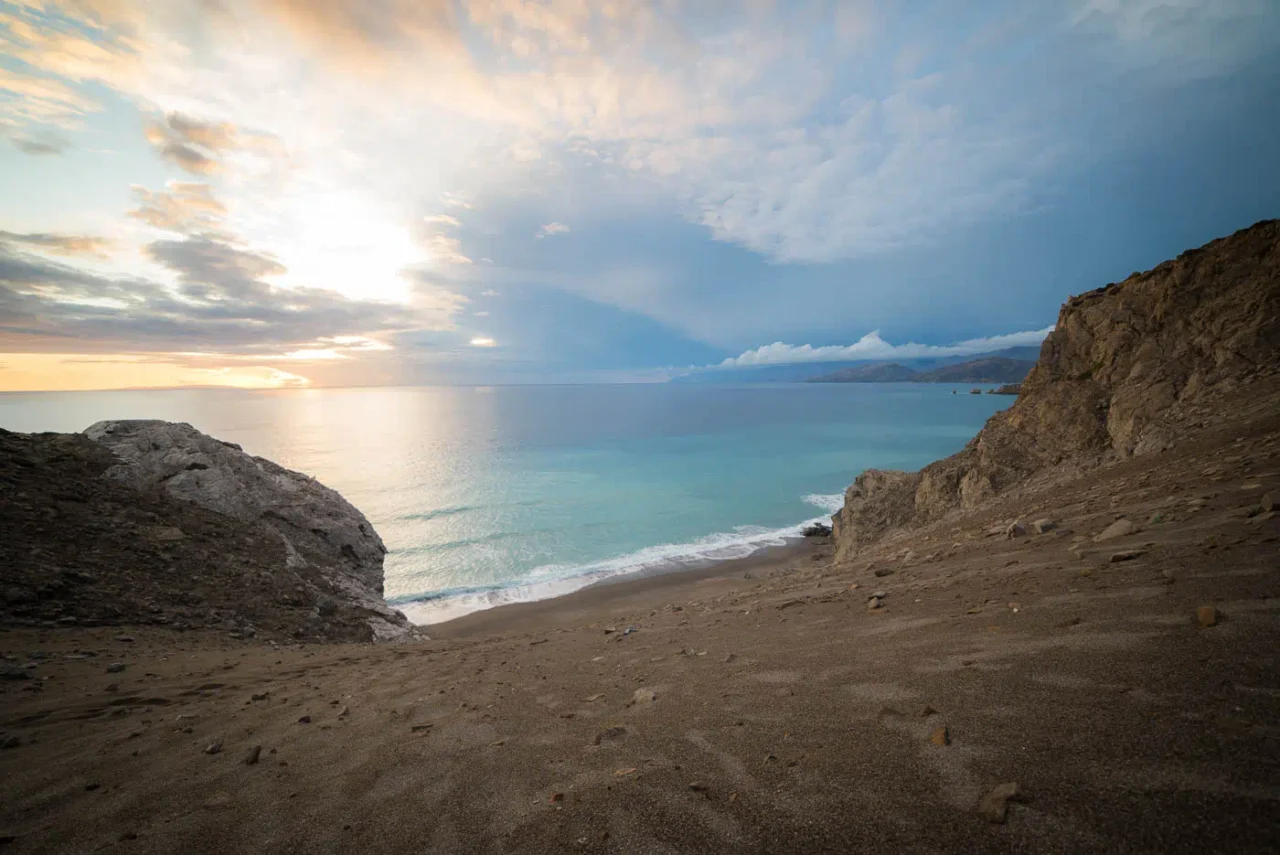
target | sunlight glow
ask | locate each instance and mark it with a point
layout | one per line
(483, 341)
(339, 243)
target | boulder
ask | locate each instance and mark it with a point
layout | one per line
(318, 528)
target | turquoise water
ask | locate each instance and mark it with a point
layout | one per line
(490, 495)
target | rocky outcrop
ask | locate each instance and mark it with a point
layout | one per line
(317, 527)
(157, 524)
(1114, 380)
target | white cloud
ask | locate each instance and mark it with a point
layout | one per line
(482, 314)
(552, 229)
(483, 341)
(872, 346)
(488, 292)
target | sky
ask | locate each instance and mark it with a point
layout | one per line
(277, 193)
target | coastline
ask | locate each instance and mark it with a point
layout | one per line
(635, 592)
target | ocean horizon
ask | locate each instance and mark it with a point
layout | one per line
(490, 495)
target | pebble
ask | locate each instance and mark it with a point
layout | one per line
(259, 696)
(1119, 528)
(115, 667)
(884, 571)
(941, 736)
(994, 806)
(609, 735)
(1127, 555)
(1042, 526)
(643, 696)
(306, 719)
(125, 638)
(10, 742)
(927, 711)
(344, 712)
(214, 747)
(1206, 616)
(873, 604)
(251, 759)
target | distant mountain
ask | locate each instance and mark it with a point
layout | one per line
(987, 369)
(796, 372)
(876, 372)
(992, 369)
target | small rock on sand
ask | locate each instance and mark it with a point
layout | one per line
(927, 710)
(1041, 526)
(251, 758)
(611, 734)
(1127, 555)
(873, 604)
(115, 667)
(1206, 616)
(1015, 529)
(214, 747)
(884, 571)
(643, 696)
(941, 736)
(994, 806)
(1119, 528)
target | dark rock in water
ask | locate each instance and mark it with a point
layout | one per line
(1007, 389)
(1121, 375)
(817, 530)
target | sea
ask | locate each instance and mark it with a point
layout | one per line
(498, 494)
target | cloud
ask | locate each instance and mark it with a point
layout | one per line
(192, 144)
(872, 347)
(483, 341)
(59, 244)
(44, 145)
(184, 207)
(552, 229)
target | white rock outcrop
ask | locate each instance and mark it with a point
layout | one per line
(318, 526)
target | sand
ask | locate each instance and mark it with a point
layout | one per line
(757, 706)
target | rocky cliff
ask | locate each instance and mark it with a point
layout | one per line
(1115, 379)
(155, 522)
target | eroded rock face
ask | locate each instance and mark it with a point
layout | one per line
(1112, 381)
(319, 529)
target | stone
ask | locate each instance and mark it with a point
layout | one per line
(941, 736)
(994, 806)
(251, 758)
(259, 696)
(643, 696)
(1270, 502)
(12, 672)
(927, 711)
(610, 734)
(344, 712)
(115, 667)
(10, 742)
(1119, 528)
(883, 571)
(873, 603)
(316, 525)
(1206, 616)
(127, 639)
(1043, 526)
(306, 719)
(214, 747)
(1015, 529)
(1127, 555)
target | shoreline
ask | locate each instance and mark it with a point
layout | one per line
(620, 594)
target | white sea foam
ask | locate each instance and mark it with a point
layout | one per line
(555, 580)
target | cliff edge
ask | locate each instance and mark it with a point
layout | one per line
(1120, 375)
